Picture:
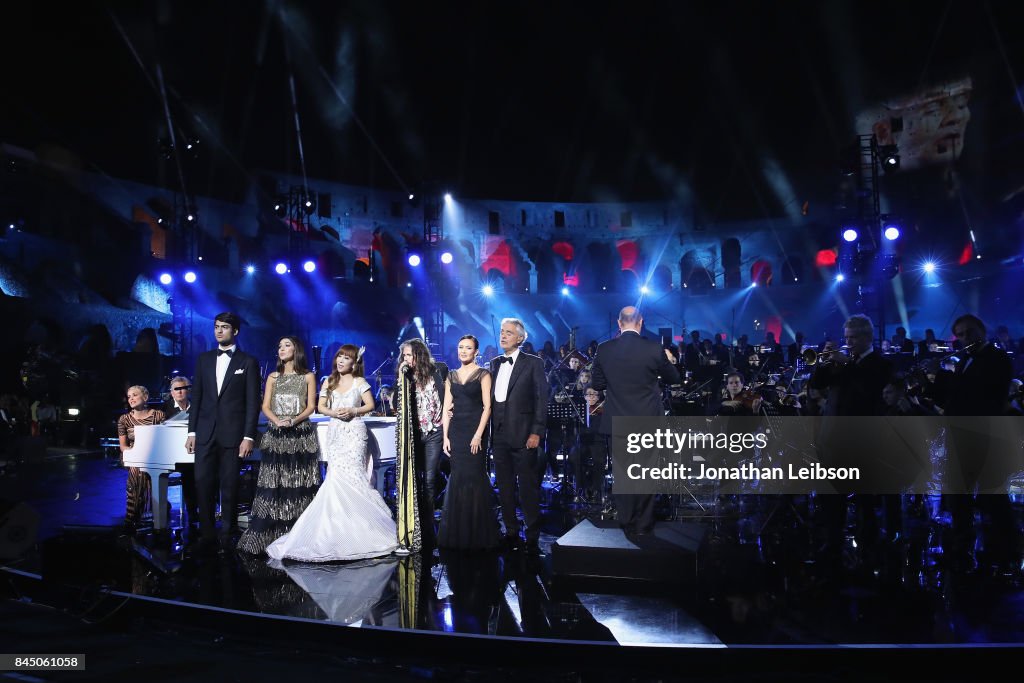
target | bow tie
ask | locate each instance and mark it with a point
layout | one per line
(504, 359)
(228, 352)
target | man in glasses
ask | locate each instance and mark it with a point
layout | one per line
(181, 397)
(179, 403)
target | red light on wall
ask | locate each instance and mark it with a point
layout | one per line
(563, 249)
(966, 254)
(629, 253)
(825, 258)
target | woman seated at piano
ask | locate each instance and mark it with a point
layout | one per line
(138, 487)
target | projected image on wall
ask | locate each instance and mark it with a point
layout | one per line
(928, 126)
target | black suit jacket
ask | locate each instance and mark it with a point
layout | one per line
(232, 415)
(526, 403)
(854, 388)
(979, 387)
(629, 367)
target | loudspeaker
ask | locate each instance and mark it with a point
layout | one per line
(19, 525)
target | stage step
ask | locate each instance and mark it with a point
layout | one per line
(601, 550)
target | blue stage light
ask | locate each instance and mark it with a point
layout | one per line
(446, 257)
(166, 279)
(840, 277)
(488, 290)
(565, 291)
(281, 268)
(850, 235)
(644, 289)
(414, 260)
(250, 269)
(309, 266)
(190, 277)
(891, 233)
(929, 267)
(447, 198)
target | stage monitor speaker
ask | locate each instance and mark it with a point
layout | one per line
(19, 525)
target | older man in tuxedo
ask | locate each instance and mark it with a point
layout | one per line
(178, 406)
(977, 460)
(518, 416)
(222, 425)
(629, 368)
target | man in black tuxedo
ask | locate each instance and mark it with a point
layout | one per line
(519, 407)
(855, 381)
(855, 384)
(628, 369)
(977, 462)
(180, 402)
(222, 424)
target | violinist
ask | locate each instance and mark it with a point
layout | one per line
(738, 399)
(591, 461)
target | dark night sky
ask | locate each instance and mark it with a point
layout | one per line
(528, 100)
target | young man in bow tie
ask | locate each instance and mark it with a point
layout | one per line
(222, 425)
(519, 406)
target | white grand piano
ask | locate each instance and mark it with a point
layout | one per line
(158, 448)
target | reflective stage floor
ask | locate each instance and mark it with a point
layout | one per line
(765, 579)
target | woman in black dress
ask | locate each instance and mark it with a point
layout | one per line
(468, 520)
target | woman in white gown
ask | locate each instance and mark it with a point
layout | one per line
(348, 520)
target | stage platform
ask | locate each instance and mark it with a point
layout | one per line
(600, 549)
(752, 593)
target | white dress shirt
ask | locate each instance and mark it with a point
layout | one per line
(504, 373)
(223, 361)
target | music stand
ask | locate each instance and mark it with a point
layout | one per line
(567, 413)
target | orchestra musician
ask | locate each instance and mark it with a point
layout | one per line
(693, 353)
(561, 431)
(592, 456)
(854, 382)
(179, 404)
(738, 399)
(794, 349)
(977, 462)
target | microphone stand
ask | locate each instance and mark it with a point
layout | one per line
(376, 373)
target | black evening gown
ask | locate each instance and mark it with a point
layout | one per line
(468, 520)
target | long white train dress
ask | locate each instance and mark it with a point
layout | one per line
(348, 520)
